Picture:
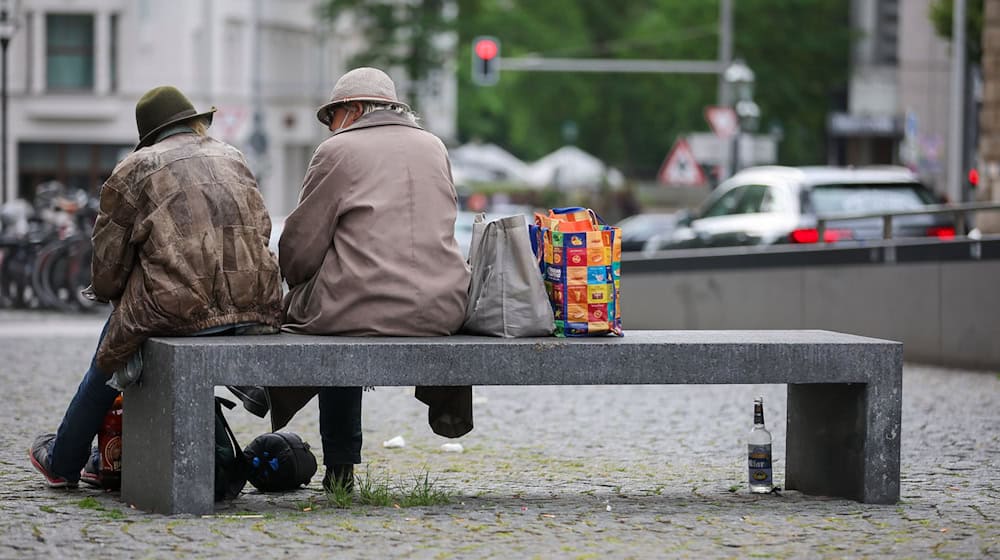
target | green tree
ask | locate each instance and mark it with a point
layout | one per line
(941, 16)
(402, 34)
(798, 49)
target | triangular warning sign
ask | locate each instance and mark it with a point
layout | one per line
(680, 167)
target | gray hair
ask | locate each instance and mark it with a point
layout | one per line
(372, 106)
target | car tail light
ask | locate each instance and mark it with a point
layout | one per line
(941, 232)
(811, 235)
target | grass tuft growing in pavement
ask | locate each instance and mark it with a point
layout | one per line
(374, 491)
(377, 490)
(423, 493)
(89, 503)
(93, 504)
(339, 496)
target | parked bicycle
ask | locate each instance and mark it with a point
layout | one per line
(45, 250)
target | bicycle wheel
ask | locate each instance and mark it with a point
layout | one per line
(48, 264)
(17, 278)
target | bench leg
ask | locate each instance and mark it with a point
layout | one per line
(168, 435)
(843, 440)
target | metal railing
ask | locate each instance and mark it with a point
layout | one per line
(958, 211)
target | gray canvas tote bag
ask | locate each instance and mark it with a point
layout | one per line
(506, 295)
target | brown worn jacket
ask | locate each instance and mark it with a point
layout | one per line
(181, 245)
(371, 250)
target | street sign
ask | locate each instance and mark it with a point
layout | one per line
(680, 167)
(723, 121)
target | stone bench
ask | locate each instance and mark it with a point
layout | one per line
(844, 393)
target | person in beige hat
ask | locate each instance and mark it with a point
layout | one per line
(370, 249)
(180, 248)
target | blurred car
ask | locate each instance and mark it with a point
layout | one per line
(465, 219)
(638, 229)
(773, 204)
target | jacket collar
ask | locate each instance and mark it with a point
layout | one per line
(379, 118)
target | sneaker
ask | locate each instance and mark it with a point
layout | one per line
(91, 473)
(40, 453)
(339, 475)
(254, 398)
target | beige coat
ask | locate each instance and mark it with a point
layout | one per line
(180, 245)
(370, 249)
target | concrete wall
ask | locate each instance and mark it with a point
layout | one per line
(945, 313)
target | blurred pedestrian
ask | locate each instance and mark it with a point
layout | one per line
(370, 248)
(180, 248)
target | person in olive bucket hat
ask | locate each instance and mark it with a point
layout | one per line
(180, 248)
(370, 250)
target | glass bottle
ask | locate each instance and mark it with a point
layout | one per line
(759, 452)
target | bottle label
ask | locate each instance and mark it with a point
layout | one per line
(111, 455)
(109, 442)
(760, 464)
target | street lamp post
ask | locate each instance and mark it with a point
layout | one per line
(740, 79)
(8, 25)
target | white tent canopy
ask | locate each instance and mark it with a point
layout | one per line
(485, 162)
(569, 168)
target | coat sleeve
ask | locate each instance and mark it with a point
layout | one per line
(308, 231)
(114, 254)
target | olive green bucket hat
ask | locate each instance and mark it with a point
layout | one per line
(161, 107)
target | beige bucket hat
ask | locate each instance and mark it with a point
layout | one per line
(360, 84)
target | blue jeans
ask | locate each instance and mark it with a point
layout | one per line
(82, 421)
(340, 425)
(85, 414)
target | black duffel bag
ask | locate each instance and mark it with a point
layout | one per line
(279, 461)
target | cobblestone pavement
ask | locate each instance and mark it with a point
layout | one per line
(549, 472)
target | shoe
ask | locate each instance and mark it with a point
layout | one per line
(254, 398)
(339, 475)
(91, 473)
(40, 455)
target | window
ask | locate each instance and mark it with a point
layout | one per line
(114, 52)
(725, 204)
(866, 198)
(78, 166)
(69, 52)
(752, 200)
(887, 32)
(747, 199)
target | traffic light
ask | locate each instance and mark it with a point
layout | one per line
(485, 61)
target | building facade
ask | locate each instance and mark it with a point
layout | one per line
(77, 67)
(898, 95)
(989, 143)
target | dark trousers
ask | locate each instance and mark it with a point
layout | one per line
(82, 421)
(340, 425)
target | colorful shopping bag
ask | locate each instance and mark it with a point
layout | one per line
(581, 266)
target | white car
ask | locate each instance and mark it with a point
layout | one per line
(774, 204)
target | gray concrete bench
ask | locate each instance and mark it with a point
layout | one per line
(844, 393)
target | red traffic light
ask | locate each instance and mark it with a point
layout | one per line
(485, 60)
(974, 177)
(486, 49)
